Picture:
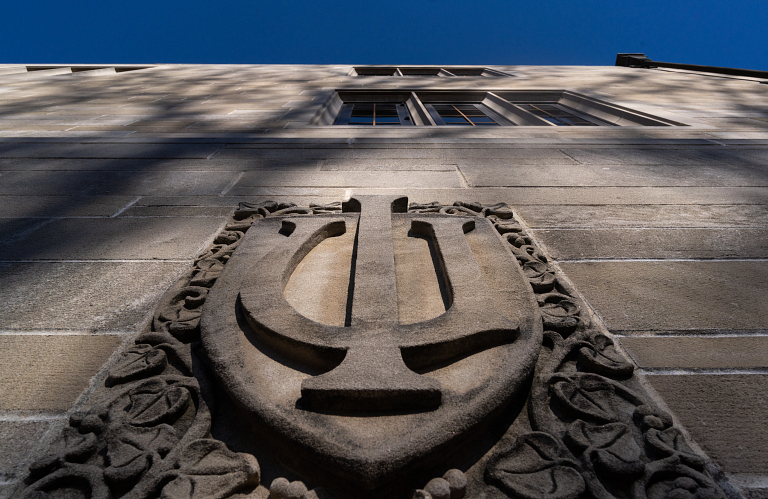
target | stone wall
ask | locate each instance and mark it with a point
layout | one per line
(111, 185)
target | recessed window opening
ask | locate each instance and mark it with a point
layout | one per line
(450, 72)
(373, 114)
(119, 68)
(463, 115)
(558, 115)
(376, 71)
(469, 72)
(465, 107)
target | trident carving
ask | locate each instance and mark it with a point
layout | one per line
(370, 363)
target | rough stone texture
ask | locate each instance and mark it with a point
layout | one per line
(625, 175)
(106, 151)
(655, 243)
(698, 352)
(400, 180)
(217, 212)
(113, 239)
(671, 296)
(32, 206)
(134, 183)
(18, 439)
(82, 296)
(388, 164)
(706, 405)
(50, 371)
(156, 154)
(648, 215)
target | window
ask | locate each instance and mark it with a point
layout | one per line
(421, 72)
(559, 115)
(373, 114)
(84, 69)
(375, 71)
(473, 108)
(426, 71)
(464, 115)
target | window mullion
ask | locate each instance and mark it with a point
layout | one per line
(435, 115)
(402, 114)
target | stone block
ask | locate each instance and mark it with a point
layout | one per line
(61, 206)
(576, 244)
(686, 352)
(725, 414)
(671, 296)
(628, 156)
(613, 175)
(751, 137)
(386, 165)
(12, 69)
(400, 180)
(68, 150)
(214, 164)
(135, 183)
(19, 441)
(585, 195)
(111, 238)
(218, 212)
(199, 201)
(50, 371)
(83, 296)
(645, 216)
(414, 150)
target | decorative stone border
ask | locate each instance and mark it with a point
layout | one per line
(595, 432)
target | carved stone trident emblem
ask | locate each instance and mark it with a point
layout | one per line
(426, 383)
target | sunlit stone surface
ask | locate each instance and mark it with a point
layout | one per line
(112, 183)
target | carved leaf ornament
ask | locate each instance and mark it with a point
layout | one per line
(593, 431)
(537, 466)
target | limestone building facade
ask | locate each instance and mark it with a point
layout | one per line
(644, 189)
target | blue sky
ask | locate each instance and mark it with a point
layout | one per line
(712, 32)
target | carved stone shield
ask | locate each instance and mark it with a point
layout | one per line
(369, 398)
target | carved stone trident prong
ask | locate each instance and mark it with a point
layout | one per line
(370, 362)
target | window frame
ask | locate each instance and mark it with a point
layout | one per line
(586, 117)
(345, 114)
(496, 117)
(429, 71)
(502, 103)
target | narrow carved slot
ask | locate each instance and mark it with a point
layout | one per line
(319, 285)
(423, 291)
(351, 285)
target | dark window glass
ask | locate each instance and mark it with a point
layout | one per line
(556, 115)
(374, 114)
(420, 72)
(466, 71)
(463, 115)
(375, 72)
